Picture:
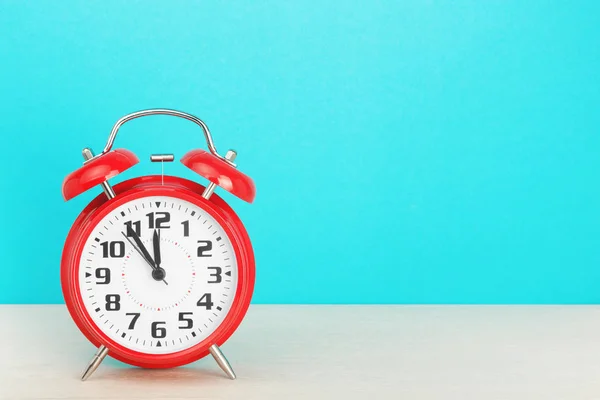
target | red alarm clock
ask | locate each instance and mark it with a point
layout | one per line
(158, 271)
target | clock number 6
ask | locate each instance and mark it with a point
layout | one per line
(158, 332)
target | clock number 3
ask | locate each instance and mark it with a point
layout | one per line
(216, 275)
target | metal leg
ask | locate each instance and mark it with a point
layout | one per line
(231, 155)
(222, 361)
(95, 363)
(214, 349)
(102, 351)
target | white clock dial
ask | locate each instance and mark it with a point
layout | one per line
(158, 308)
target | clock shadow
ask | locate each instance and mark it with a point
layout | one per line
(191, 373)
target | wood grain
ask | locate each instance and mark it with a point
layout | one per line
(329, 352)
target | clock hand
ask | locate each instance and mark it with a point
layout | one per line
(156, 245)
(158, 273)
(157, 257)
(138, 250)
(131, 233)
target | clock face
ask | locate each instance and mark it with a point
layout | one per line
(158, 275)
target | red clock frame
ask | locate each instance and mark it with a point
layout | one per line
(153, 186)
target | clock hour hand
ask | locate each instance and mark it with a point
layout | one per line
(158, 273)
(157, 258)
(156, 245)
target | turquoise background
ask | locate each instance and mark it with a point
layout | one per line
(404, 151)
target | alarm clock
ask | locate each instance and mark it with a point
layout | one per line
(158, 271)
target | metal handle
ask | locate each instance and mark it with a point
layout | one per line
(164, 111)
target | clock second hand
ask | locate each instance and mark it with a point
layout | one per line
(146, 257)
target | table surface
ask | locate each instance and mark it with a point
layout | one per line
(329, 352)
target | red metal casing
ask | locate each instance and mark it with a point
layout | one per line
(220, 173)
(96, 171)
(151, 186)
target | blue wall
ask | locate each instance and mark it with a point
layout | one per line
(404, 152)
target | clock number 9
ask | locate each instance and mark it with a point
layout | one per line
(103, 273)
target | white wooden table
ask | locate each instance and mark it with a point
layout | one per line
(329, 352)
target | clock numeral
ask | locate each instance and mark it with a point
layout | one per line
(189, 322)
(204, 246)
(186, 228)
(103, 273)
(216, 275)
(205, 301)
(158, 332)
(133, 226)
(113, 302)
(156, 221)
(136, 315)
(113, 249)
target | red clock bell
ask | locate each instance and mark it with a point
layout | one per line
(158, 271)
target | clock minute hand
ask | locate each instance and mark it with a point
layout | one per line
(131, 233)
(134, 245)
(158, 273)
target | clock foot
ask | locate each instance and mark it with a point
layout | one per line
(222, 361)
(95, 363)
